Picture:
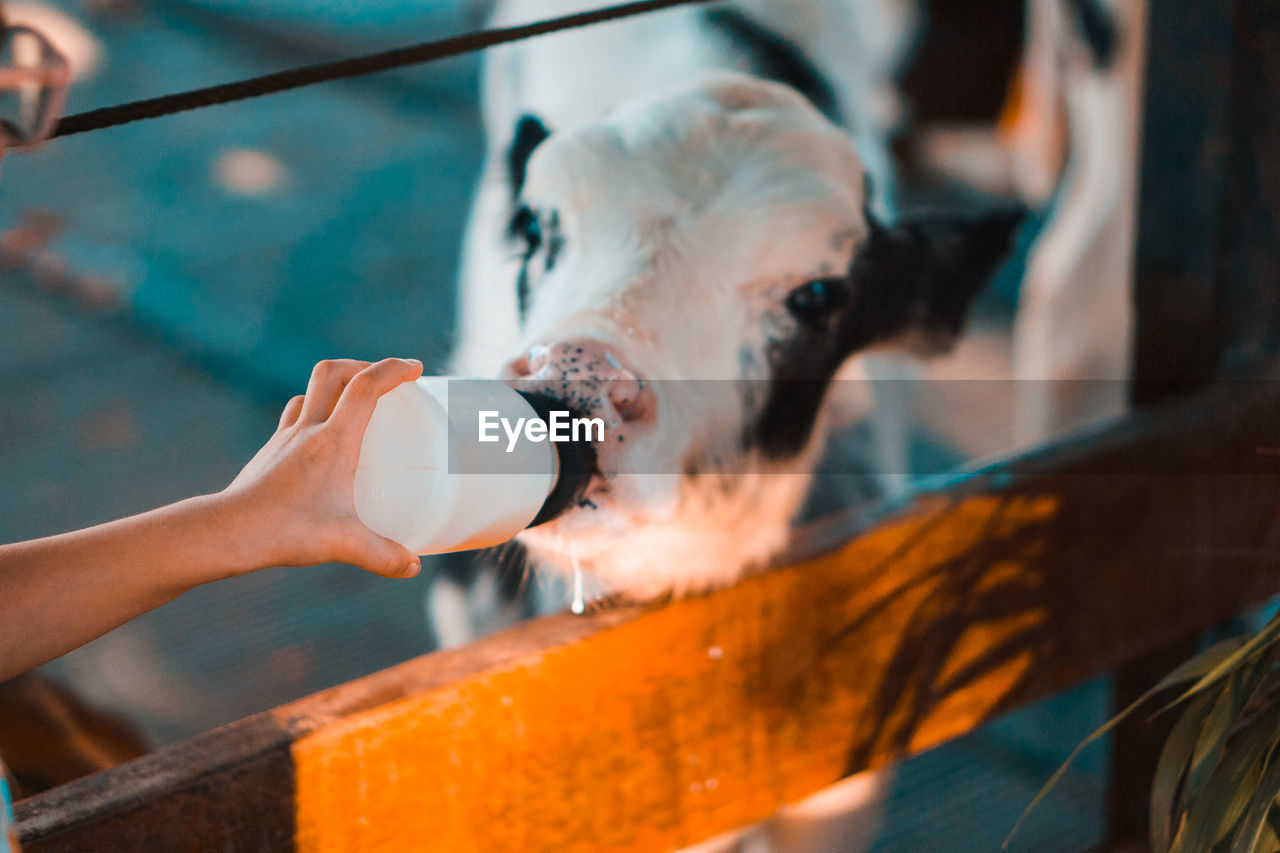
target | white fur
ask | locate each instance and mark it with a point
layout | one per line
(734, 191)
(730, 168)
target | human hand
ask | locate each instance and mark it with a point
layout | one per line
(294, 501)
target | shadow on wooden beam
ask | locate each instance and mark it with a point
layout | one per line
(653, 727)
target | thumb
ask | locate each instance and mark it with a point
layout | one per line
(387, 558)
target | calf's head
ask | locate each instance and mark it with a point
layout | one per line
(694, 269)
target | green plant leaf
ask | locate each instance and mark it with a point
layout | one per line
(1225, 796)
(1211, 661)
(1233, 696)
(1269, 839)
(1250, 835)
(1240, 800)
(1174, 758)
(1255, 644)
(1197, 667)
(1213, 734)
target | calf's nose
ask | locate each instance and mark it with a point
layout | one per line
(589, 376)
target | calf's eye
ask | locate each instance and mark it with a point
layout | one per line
(525, 225)
(814, 302)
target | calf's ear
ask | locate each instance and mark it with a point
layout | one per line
(916, 280)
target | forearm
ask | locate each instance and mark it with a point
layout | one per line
(60, 592)
(290, 506)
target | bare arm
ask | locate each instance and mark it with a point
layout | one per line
(290, 506)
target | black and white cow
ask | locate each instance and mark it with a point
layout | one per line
(688, 224)
(652, 216)
(708, 194)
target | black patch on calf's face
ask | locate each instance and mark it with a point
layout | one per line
(547, 242)
(916, 280)
(522, 291)
(530, 132)
(912, 282)
(555, 240)
(524, 227)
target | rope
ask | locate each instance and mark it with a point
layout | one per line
(344, 68)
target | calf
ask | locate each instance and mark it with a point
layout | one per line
(697, 255)
(626, 249)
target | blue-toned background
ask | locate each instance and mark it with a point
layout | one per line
(155, 313)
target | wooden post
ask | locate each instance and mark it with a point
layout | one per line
(1208, 257)
(1207, 277)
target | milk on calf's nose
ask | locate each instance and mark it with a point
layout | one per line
(434, 479)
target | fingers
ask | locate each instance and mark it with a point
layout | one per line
(328, 379)
(389, 559)
(361, 394)
(291, 411)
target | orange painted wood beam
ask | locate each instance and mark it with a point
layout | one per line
(648, 728)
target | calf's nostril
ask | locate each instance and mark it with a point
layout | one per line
(630, 398)
(589, 377)
(623, 391)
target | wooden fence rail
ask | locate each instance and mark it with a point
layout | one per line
(651, 727)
